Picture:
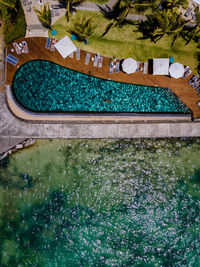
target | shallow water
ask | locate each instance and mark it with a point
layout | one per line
(101, 203)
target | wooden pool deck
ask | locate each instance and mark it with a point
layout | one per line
(37, 50)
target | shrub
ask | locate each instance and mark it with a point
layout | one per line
(16, 29)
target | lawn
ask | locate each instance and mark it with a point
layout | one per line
(127, 42)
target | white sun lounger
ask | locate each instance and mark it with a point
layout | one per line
(87, 58)
(100, 62)
(53, 44)
(117, 67)
(78, 54)
(95, 60)
(145, 68)
(138, 65)
(25, 46)
(17, 48)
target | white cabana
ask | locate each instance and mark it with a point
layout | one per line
(129, 65)
(176, 70)
(161, 66)
(65, 46)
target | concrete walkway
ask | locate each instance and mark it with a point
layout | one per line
(12, 127)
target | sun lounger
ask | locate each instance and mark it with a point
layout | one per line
(138, 65)
(71, 55)
(186, 69)
(78, 54)
(188, 12)
(95, 61)
(100, 62)
(195, 84)
(198, 89)
(17, 48)
(117, 67)
(87, 58)
(53, 44)
(25, 46)
(111, 68)
(193, 79)
(11, 59)
(48, 42)
(145, 68)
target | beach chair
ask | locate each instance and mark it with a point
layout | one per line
(78, 54)
(138, 66)
(111, 68)
(100, 62)
(71, 55)
(12, 60)
(145, 67)
(195, 84)
(17, 48)
(48, 42)
(193, 79)
(188, 12)
(198, 89)
(53, 44)
(186, 69)
(87, 58)
(25, 46)
(95, 60)
(117, 67)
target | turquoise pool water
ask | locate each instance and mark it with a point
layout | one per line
(47, 87)
(101, 203)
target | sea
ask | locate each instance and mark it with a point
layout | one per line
(127, 202)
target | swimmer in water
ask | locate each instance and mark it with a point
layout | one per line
(108, 101)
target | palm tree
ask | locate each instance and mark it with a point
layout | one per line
(71, 7)
(196, 29)
(83, 29)
(118, 13)
(9, 4)
(167, 22)
(44, 15)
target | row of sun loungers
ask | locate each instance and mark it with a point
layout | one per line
(21, 47)
(50, 43)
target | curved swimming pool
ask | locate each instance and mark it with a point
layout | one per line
(43, 86)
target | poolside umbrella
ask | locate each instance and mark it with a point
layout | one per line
(129, 65)
(65, 46)
(176, 70)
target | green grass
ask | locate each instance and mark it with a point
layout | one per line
(127, 42)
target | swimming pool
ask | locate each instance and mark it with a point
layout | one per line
(43, 86)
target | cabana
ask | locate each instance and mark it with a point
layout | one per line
(129, 65)
(176, 70)
(65, 46)
(161, 66)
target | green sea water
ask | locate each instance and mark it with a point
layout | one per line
(101, 203)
